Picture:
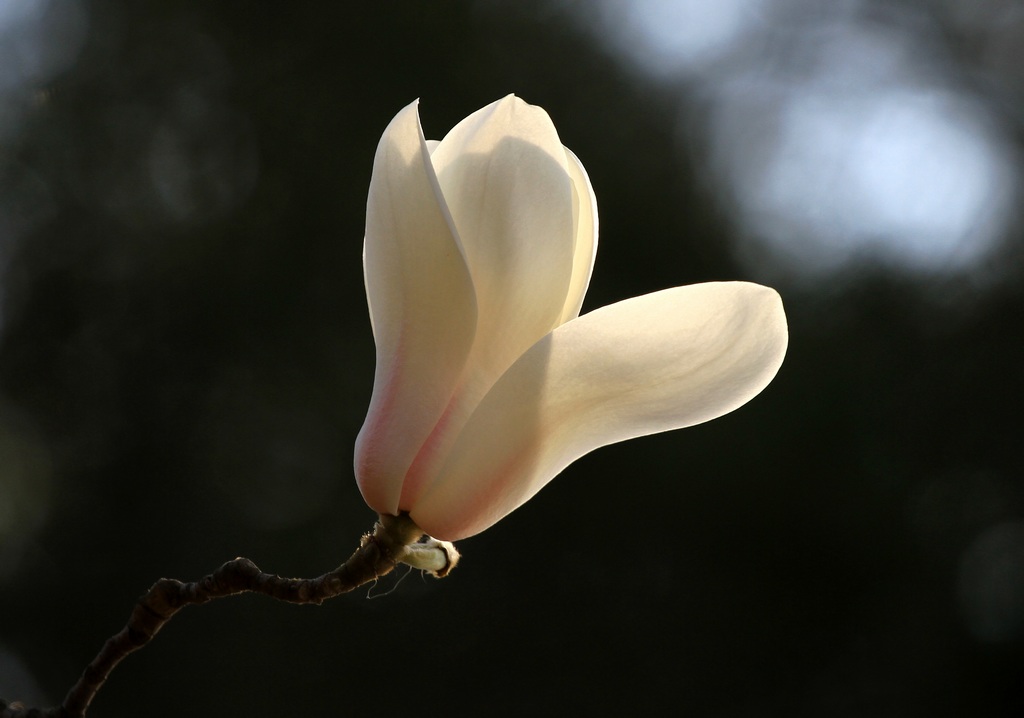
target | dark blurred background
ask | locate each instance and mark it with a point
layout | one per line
(185, 356)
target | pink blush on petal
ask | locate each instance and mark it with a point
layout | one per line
(419, 473)
(472, 512)
(379, 487)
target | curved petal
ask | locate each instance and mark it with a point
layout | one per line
(503, 174)
(422, 309)
(585, 250)
(661, 361)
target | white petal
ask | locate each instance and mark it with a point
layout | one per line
(503, 173)
(585, 223)
(653, 363)
(422, 309)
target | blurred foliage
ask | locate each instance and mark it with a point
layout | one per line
(185, 360)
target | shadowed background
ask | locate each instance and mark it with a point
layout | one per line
(185, 357)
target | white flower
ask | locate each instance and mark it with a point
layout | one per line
(477, 254)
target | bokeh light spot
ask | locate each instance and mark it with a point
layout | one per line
(832, 138)
(913, 178)
(38, 40)
(669, 36)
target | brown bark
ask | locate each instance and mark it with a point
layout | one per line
(377, 555)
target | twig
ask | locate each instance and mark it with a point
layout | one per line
(395, 539)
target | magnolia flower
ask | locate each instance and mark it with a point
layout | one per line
(478, 251)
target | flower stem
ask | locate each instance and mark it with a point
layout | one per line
(378, 553)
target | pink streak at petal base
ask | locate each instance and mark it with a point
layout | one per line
(379, 488)
(477, 512)
(424, 466)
